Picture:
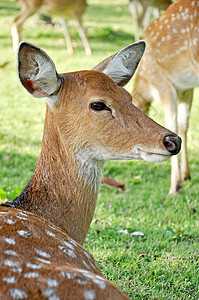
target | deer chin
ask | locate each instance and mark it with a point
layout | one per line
(154, 157)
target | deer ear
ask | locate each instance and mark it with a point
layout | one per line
(37, 72)
(121, 66)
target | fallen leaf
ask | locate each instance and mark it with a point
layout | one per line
(112, 182)
(137, 233)
(125, 231)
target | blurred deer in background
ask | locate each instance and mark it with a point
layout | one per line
(169, 71)
(65, 9)
(141, 11)
(90, 119)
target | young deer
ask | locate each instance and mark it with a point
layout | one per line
(66, 9)
(141, 11)
(169, 71)
(90, 119)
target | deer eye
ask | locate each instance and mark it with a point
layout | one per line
(98, 106)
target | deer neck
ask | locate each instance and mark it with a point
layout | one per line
(64, 186)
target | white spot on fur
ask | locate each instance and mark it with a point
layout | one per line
(195, 41)
(16, 270)
(11, 252)
(9, 221)
(72, 242)
(25, 214)
(67, 275)
(87, 255)
(163, 39)
(174, 30)
(67, 251)
(93, 266)
(33, 266)
(31, 275)
(82, 280)
(86, 265)
(10, 241)
(55, 228)
(10, 263)
(42, 253)
(100, 277)
(10, 279)
(51, 282)
(100, 283)
(45, 261)
(22, 218)
(50, 233)
(89, 295)
(17, 294)
(24, 233)
(51, 294)
(69, 245)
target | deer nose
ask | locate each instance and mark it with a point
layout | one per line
(172, 144)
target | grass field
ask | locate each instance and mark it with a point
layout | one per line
(161, 264)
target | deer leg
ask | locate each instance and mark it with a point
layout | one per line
(169, 104)
(184, 107)
(134, 13)
(146, 17)
(16, 26)
(83, 37)
(156, 13)
(67, 37)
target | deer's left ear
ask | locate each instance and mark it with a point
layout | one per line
(121, 66)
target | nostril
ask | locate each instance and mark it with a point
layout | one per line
(172, 144)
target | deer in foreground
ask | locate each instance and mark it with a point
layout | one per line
(169, 71)
(66, 9)
(90, 119)
(141, 11)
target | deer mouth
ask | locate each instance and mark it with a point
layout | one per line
(154, 157)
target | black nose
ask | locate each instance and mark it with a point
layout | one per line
(172, 144)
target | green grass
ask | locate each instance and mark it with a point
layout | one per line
(162, 264)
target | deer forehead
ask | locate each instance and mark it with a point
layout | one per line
(87, 86)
